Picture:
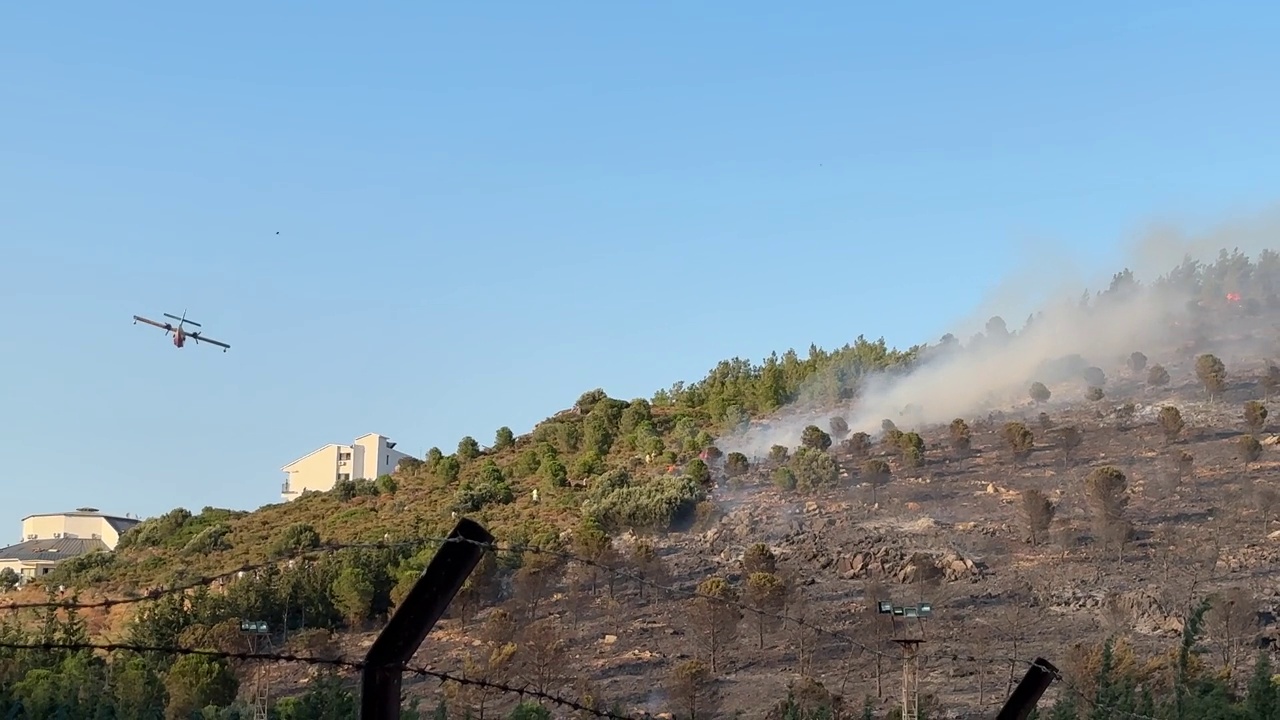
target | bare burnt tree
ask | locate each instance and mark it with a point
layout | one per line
(808, 699)
(1194, 562)
(1107, 495)
(481, 586)
(1157, 376)
(1065, 535)
(1185, 464)
(1255, 416)
(1013, 622)
(1171, 423)
(891, 441)
(593, 544)
(1125, 414)
(615, 613)
(532, 583)
(1020, 440)
(542, 655)
(1165, 548)
(649, 567)
(1039, 392)
(1069, 438)
(759, 558)
(1266, 499)
(499, 628)
(1212, 374)
(766, 594)
(1038, 511)
(590, 696)
(736, 465)
(491, 661)
(858, 445)
(579, 579)
(715, 618)
(875, 473)
(1270, 381)
(839, 427)
(879, 625)
(691, 686)
(1116, 617)
(1232, 622)
(802, 630)
(960, 438)
(1250, 449)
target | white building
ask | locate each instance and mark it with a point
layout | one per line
(368, 458)
(50, 538)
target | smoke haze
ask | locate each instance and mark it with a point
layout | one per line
(974, 377)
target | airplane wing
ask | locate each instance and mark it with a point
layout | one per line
(163, 326)
(201, 338)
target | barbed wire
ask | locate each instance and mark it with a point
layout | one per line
(523, 692)
(1062, 679)
(737, 604)
(495, 548)
(207, 580)
(355, 665)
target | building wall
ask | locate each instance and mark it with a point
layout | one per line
(376, 459)
(317, 471)
(368, 458)
(47, 527)
(27, 570)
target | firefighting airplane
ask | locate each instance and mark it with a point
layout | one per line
(179, 335)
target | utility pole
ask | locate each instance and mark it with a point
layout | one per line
(910, 651)
(259, 641)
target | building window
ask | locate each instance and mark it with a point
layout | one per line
(344, 456)
(344, 476)
(388, 460)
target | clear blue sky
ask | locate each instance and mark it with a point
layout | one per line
(487, 208)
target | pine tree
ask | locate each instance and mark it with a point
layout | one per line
(1261, 703)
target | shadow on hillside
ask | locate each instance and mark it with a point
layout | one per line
(1184, 516)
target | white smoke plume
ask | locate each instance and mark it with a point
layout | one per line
(996, 372)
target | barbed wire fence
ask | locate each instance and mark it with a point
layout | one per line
(522, 692)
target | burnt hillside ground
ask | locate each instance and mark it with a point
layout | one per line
(952, 532)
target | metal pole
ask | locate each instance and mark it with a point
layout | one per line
(414, 618)
(1024, 698)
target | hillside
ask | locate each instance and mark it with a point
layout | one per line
(1034, 486)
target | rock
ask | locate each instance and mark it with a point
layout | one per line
(610, 639)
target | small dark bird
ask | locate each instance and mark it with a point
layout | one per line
(277, 232)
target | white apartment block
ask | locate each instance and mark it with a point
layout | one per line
(368, 458)
(49, 539)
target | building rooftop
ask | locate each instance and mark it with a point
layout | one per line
(117, 523)
(51, 550)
